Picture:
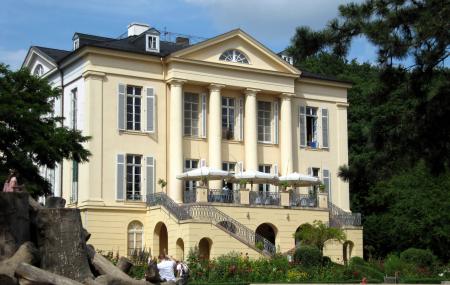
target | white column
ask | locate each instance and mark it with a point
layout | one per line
(175, 159)
(250, 131)
(341, 195)
(286, 151)
(215, 131)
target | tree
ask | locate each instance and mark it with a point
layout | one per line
(30, 135)
(318, 233)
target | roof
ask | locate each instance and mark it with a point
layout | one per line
(312, 75)
(52, 53)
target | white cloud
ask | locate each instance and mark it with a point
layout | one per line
(13, 58)
(273, 22)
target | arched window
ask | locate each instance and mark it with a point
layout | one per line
(38, 70)
(135, 237)
(233, 55)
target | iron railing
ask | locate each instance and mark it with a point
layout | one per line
(302, 200)
(264, 198)
(189, 196)
(215, 217)
(340, 218)
(223, 196)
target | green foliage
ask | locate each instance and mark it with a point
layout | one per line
(259, 245)
(308, 255)
(318, 233)
(356, 260)
(418, 257)
(138, 271)
(30, 136)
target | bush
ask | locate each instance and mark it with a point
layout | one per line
(394, 264)
(308, 255)
(356, 260)
(138, 271)
(326, 261)
(418, 257)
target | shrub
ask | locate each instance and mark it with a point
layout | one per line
(394, 264)
(356, 260)
(418, 257)
(308, 255)
(294, 275)
(138, 271)
(326, 261)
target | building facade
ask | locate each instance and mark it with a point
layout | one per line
(156, 108)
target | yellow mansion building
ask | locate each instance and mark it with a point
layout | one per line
(156, 108)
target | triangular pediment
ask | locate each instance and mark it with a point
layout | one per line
(37, 58)
(259, 57)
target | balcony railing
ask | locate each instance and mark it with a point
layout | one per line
(189, 196)
(340, 218)
(264, 198)
(303, 200)
(223, 196)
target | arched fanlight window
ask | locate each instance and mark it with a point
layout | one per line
(233, 55)
(135, 237)
(38, 70)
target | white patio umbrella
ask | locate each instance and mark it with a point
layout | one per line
(253, 176)
(204, 173)
(298, 180)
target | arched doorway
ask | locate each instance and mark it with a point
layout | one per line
(180, 249)
(204, 248)
(229, 226)
(267, 231)
(160, 239)
(302, 227)
(347, 249)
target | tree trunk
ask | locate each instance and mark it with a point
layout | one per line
(30, 275)
(26, 253)
(14, 222)
(55, 202)
(61, 243)
(124, 264)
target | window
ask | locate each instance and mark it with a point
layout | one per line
(135, 237)
(76, 44)
(152, 43)
(228, 111)
(134, 108)
(311, 127)
(313, 172)
(264, 121)
(191, 114)
(264, 187)
(230, 167)
(74, 192)
(73, 108)
(190, 164)
(133, 177)
(38, 70)
(287, 58)
(233, 55)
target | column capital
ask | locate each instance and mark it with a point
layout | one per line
(287, 96)
(176, 82)
(94, 75)
(251, 91)
(215, 86)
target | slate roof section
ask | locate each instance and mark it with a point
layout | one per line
(52, 53)
(312, 75)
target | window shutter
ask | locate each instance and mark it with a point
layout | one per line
(151, 110)
(325, 128)
(302, 125)
(310, 173)
(275, 124)
(71, 111)
(202, 162)
(120, 187)
(241, 118)
(121, 107)
(327, 182)
(74, 194)
(275, 172)
(203, 96)
(239, 167)
(150, 175)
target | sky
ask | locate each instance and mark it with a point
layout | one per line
(52, 23)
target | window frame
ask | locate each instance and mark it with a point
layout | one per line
(134, 114)
(309, 114)
(38, 70)
(133, 166)
(236, 56)
(190, 185)
(134, 231)
(193, 117)
(270, 118)
(74, 108)
(230, 119)
(149, 38)
(264, 187)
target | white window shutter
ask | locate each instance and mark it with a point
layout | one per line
(275, 172)
(310, 173)
(121, 109)
(241, 118)
(150, 175)
(325, 140)
(120, 177)
(203, 102)
(202, 162)
(239, 167)
(302, 125)
(327, 182)
(275, 123)
(151, 110)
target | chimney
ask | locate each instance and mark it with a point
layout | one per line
(182, 41)
(135, 29)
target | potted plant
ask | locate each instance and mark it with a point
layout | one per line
(284, 185)
(322, 188)
(242, 184)
(203, 182)
(162, 183)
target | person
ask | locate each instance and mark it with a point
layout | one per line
(11, 184)
(182, 273)
(166, 268)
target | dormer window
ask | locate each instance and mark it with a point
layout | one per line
(288, 58)
(38, 70)
(76, 43)
(234, 55)
(152, 43)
